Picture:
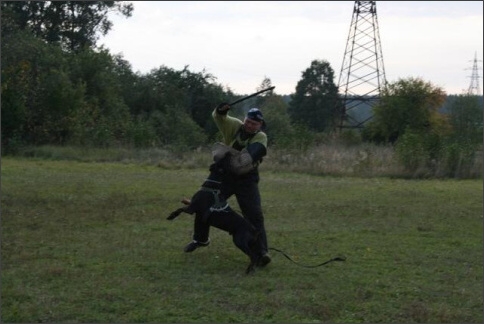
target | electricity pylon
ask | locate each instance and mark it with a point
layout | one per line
(474, 86)
(362, 73)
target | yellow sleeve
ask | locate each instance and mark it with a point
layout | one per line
(227, 125)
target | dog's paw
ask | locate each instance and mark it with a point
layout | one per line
(186, 201)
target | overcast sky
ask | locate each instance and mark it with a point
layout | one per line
(241, 42)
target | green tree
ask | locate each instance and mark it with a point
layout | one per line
(50, 95)
(465, 139)
(466, 118)
(194, 93)
(53, 97)
(407, 104)
(279, 128)
(38, 96)
(175, 129)
(314, 101)
(105, 118)
(265, 84)
(73, 25)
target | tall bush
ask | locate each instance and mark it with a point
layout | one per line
(174, 128)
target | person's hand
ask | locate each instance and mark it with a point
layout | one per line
(223, 107)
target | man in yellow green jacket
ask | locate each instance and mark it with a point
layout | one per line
(248, 138)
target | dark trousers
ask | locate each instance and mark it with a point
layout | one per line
(246, 191)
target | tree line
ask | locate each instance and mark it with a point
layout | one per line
(60, 88)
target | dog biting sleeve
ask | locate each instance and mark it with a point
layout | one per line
(219, 150)
(241, 162)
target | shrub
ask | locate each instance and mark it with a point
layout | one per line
(411, 151)
(458, 159)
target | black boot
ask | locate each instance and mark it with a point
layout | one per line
(193, 245)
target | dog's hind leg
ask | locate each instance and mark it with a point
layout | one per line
(241, 240)
(244, 241)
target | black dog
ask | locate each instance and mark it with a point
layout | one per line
(208, 204)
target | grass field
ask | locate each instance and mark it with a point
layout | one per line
(89, 242)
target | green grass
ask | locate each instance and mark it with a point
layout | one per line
(89, 242)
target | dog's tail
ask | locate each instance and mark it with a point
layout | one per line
(341, 258)
(175, 214)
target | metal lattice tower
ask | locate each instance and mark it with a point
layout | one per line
(474, 86)
(362, 73)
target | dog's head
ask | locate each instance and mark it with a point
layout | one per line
(221, 165)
